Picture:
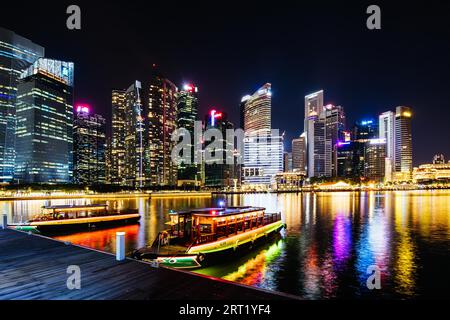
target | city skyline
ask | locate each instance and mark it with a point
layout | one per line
(381, 149)
(379, 77)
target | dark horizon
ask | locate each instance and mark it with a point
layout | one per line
(230, 51)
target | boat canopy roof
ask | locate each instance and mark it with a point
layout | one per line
(83, 206)
(208, 212)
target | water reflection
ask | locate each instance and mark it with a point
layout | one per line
(330, 241)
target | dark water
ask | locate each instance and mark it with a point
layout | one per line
(330, 242)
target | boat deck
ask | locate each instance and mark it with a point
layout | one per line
(35, 267)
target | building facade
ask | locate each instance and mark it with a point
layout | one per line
(287, 161)
(386, 125)
(375, 159)
(219, 159)
(162, 122)
(116, 169)
(299, 153)
(16, 54)
(44, 137)
(334, 132)
(403, 144)
(134, 162)
(315, 134)
(187, 114)
(432, 173)
(263, 148)
(89, 141)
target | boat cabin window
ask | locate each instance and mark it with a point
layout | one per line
(205, 228)
(181, 225)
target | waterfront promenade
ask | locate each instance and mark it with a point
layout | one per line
(35, 267)
(116, 195)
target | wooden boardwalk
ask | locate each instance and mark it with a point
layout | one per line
(35, 267)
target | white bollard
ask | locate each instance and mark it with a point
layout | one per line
(120, 246)
(4, 221)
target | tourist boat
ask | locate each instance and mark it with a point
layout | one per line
(64, 218)
(202, 237)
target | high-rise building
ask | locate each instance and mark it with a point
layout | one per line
(44, 123)
(108, 160)
(116, 169)
(344, 161)
(257, 110)
(315, 134)
(218, 173)
(287, 162)
(349, 160)
(16, 55)
(375, 159)
(187, 114)
(299, 153)
(386, 125)
(263, 149)
(89, 141)
(162, 122)
(363, 131)
(134, 137)
(403, 143)
(334, 133)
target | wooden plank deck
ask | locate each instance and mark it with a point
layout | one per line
(34, 267)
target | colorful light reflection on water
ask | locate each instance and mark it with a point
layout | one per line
(330, 241)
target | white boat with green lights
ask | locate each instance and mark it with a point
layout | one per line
(66, 218)
(205, 236)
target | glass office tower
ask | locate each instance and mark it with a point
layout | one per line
(89, 138)
(219, 174)
(44, 112)
(187, 114)
(116, 171)
(134, 175)
(162, 122)
(403, 143)
(315, 134)
(263, 147)
(16, 54)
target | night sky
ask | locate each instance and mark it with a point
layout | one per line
(229, 49)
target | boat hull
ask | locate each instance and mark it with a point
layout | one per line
(217, 252)
(70, 225)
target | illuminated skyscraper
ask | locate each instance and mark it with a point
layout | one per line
(44, 123)
(299, 153)
(162, 122)
(219, 174)
(187, 108)
(375, 155)
(263, 149)
(134, 137)
(363, 131)
(89, 141)
(386, 124)
(116, 170)
(403, 143)
(334, 133)
(315, 134)
(345, 159)
(16, 54)
(257, 110)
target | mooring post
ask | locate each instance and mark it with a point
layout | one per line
(120, 246)
(4, 221)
